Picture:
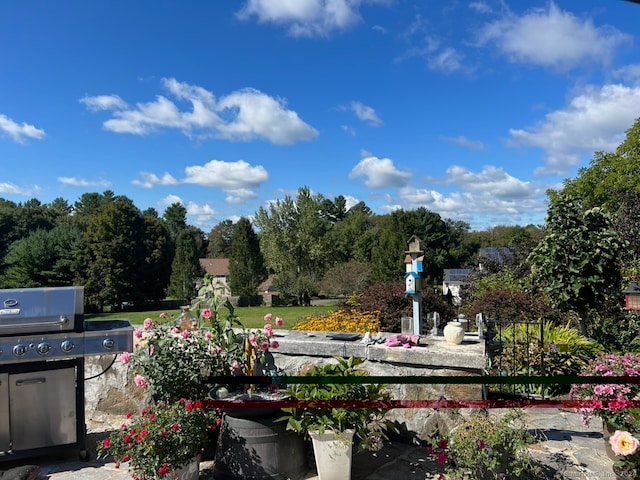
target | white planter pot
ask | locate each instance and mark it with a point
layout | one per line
(454, 333)
(191, 471)
(332, 452)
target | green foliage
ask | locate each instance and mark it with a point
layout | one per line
(185, 269)
(504, 304)
(368, 422)
(110, 261)
(220, 238)
(42, 259)
(346, 278)
(576, 264)
(246, 264)
(487, 447)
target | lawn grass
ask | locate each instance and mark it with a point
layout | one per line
(251, 317)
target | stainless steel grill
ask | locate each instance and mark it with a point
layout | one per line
(44, 340)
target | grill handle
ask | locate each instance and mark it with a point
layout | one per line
(60, 322)
(30, 381)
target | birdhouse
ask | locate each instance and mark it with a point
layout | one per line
(410, 282)
(414, 244)
(632, 296)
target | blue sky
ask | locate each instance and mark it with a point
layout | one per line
(470, 109)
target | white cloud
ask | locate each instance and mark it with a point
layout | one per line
(226, 175)
(447, 60)
(493, 180)
(148, 180)
(200, 215)
(170, 200)
(464, 142)
(81, 182)
(306, 18)
(239, 195)
(350, 130)
(244, 115)
(379, 172)
(13, 189)
(19, 131)
(553, 38)
(595, 119)
(103, 102)
(366, 114)
(628, 73)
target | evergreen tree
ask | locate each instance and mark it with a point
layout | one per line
(246, 264)
(185, 269)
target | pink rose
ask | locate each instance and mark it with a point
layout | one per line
(140, 381)
(275, 344)
(163, 315)
(235, 365)
(147, 324)
(264, 345)
(279, 321)
(137, 333)
(206, 313)
(176, 330)
(267, 317)
(252, 340)
(208, 335)
(268, 330)
(185, 334)
(124, 357)
(623, 443)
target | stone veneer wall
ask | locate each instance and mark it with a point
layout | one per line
(113, 392)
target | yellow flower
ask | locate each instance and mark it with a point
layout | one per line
(623, 443)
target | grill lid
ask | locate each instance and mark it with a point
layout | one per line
(40, 310)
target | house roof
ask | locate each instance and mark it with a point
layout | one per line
(216, 266)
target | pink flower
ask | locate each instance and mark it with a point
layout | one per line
(275, 344)
(175, 427)
(481, 444)
(140, 381)
(206, 313)
(268, 330)
(176, 330)
(252, 340)
(147, 324)
(267, 317)
(208, 335)
(106, 442)
(124, 357)
(163, 315)
(218, 349)
(442, 458)
(264, 345)
(137, 333)
(279, 321)
(623, 443)
(235, 365)
(185, 334)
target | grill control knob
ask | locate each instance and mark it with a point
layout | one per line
(108, 343)
(67, 346)
(43, 348)
(19, 350)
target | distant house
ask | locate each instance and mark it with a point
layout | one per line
(454, 280)
(218, 268)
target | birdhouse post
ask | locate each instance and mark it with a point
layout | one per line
(413, 260)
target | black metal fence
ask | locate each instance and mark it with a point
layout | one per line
(516, 348)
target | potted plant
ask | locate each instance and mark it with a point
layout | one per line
(486, 447)
(164, 441)
(612, 403)
(332, 430)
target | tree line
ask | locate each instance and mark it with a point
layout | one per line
(310, 244)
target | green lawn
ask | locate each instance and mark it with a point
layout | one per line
(251, 317)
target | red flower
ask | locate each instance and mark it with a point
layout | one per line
(106, 442)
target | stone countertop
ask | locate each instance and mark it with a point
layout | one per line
(431, 351)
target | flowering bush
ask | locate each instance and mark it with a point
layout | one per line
(161, 439)
(170, 362)
(342, 320)
(613, 404)
(485, 447)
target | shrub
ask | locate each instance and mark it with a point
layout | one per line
(391, 303)
(486, 447)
